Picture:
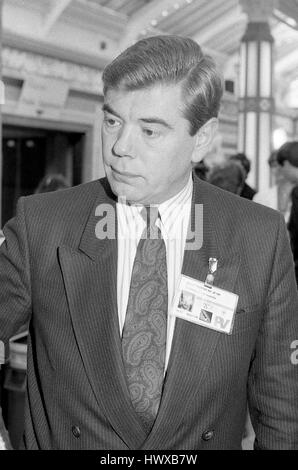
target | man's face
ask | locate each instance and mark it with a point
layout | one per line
(147, 148)
(289, 172)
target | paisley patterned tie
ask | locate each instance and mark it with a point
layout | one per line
(144, 332)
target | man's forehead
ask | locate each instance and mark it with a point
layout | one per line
(152, 90)
(159, 98)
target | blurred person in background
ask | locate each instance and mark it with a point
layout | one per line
(283, 195)
(277, 196)
(287, 159)
(229, 176)
(201, 170)
(246, 192)
(52, 182)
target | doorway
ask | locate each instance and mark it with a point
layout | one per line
(29, 154)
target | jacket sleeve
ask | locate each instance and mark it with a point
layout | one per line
(273, 377)
(15, 289)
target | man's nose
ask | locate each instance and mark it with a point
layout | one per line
(123, 146)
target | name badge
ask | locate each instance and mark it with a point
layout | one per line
(205, 305)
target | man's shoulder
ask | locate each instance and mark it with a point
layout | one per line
(79, 196)
(67, 207)
(229, 206)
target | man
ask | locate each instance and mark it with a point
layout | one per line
(287, 160)
(228, 176)
(247, 192)
(277, 196)
(115, 361)
(283, 195)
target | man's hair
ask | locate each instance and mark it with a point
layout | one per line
(288, 152)
(229, 176)
(170, 60)
(243, 160)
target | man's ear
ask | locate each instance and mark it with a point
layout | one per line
(204, 137)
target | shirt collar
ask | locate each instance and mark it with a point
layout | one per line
(171, 211)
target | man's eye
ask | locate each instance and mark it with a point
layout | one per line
(151, 132)
(111, 122)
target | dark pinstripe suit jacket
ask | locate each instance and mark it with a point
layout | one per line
(57, 273)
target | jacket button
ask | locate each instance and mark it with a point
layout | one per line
(76, 431)
(207, 435)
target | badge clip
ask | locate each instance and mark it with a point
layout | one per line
(211, 272)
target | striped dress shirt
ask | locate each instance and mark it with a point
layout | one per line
(173, 223)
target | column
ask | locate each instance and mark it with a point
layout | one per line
(1, 102)
(256, 103)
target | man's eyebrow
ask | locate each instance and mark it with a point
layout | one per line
(107, 108)
(156, 120)
(150, 120)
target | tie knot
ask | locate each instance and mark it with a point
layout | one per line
(150, 214)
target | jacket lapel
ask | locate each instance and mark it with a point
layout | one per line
(193, 345)
(90, 277)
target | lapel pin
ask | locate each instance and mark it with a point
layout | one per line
(212, 268)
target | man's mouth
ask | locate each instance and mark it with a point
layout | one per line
(125, 174)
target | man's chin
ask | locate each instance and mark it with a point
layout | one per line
(124, 191)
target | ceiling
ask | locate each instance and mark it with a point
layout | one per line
(94, 31)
